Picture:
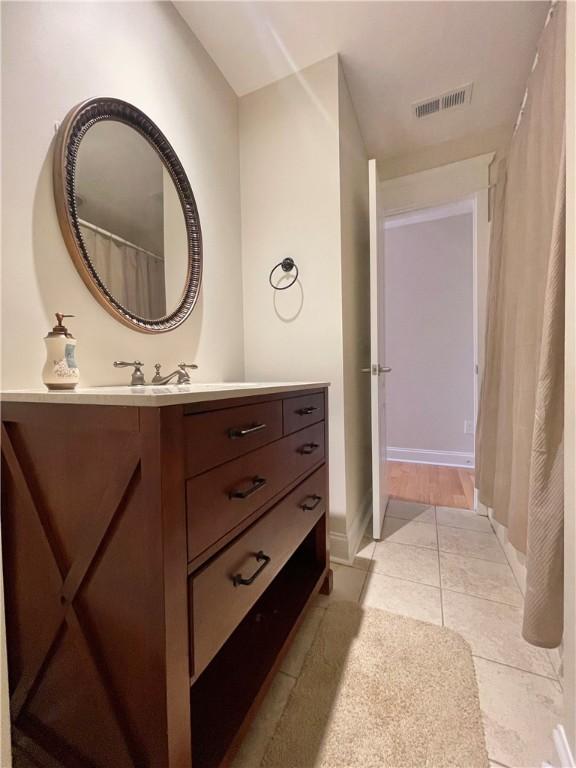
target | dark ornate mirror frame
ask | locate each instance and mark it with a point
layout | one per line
(70, 134)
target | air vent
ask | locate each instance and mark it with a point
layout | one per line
(427, 108)
(458, 97)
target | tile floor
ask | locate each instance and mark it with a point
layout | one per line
(445, 566)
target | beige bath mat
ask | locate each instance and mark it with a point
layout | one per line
(381, 691)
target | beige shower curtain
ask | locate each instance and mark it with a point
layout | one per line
(520, 423)
(134, 277)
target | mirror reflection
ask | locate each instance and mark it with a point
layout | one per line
(131, 219)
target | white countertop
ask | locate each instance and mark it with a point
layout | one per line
(170, 394)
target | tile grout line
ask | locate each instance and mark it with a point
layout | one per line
(445, 525)
(516, 669)
(506, 556)
(398, 544)
(401, 578)
(439, 568)
(482, 559)
(480, 597)
(434, 586)
(373, 569)
(372, 563)
(497, 762)
(404, 578)
(420, 546)
(473, 557)
(464, 528)
(433, 549)
(453, 527)
(363, 588)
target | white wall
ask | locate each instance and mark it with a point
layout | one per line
(495, 140)
(289, 148)
(466, 179)
(355, 241)
(300, 146)
(429, 338)
(54, 56)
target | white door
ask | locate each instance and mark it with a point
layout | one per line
(378, 369)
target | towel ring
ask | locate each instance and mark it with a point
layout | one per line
(287, 265)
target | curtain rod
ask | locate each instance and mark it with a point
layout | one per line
(534, 65)
(117, 238)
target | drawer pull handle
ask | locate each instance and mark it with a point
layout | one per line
(307, 411)
(308, 448)
(257, 483)
(315, 501)
(240, 580)
(243, 431)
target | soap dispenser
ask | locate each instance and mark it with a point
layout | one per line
(60, 371)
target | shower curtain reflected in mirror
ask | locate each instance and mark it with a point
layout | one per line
(134, 276)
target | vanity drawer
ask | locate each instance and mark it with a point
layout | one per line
(220, 499)
(218, 601)
(301, 411)
(217, 436)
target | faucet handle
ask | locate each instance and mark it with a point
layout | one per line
(183, 377)
(137, 375)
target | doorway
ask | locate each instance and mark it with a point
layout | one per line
(463, 183)
(430, 340)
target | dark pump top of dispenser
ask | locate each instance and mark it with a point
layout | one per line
(60, 329)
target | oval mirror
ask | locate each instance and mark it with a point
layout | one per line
(128, 215)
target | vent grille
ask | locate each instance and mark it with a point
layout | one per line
(427, 108)
(458, 97)
(454, 99)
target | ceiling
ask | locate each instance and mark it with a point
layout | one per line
(393, 53)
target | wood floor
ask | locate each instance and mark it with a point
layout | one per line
(431, 484)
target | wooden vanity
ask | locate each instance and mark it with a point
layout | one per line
(159, 550)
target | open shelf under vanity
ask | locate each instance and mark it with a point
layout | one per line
(231, 686)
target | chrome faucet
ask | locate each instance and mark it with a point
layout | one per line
(180, 372)
(137, 375)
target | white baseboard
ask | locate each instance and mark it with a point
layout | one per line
(562, 749)
(557, 659)
(516, 560)
(359, 524)
(339, 547)
(418, 456)
(480, 508)
(343, 546)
